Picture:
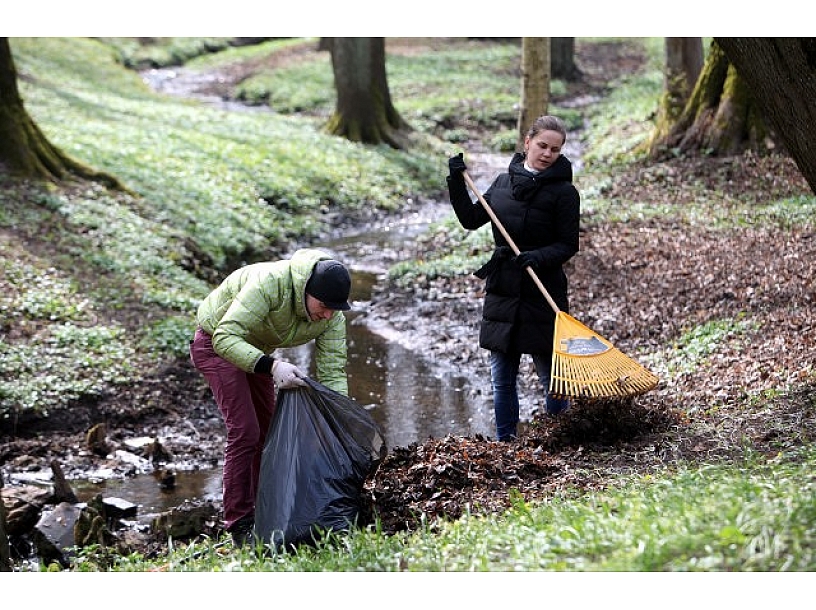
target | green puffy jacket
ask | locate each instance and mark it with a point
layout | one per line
(261, 307)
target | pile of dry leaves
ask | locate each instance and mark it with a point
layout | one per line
(445, 478)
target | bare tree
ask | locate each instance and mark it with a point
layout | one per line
(682, 67)
(535, 83)
(562, 59)
(781, 74)
(364, 111)
(720, 116)
(24, 149)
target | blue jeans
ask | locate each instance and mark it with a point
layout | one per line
(504, 370)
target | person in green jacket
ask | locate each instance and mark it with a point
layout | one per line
(255, 310)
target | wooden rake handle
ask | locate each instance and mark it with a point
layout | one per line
(509, 239)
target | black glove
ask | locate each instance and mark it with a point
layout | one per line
(528, 259)
(456, 165)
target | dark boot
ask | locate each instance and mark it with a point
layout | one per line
(556, 406)
(243, 531)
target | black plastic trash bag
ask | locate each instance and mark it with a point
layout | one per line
(320, 449)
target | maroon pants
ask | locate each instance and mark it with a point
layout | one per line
(247, 404)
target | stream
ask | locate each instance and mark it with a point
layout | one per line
(406, 396)
(411, 399)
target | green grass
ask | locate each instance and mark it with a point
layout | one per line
(755, 516)
(699, 342)
(36, 376)
(235, 182)
(623, 120)
(142, 53)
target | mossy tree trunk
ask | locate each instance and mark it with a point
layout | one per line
(24, 149)
(682, 67)
(720, 117)
(781, 73)
(364, 112)
(535, 84)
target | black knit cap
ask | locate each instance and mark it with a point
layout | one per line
(330, 283)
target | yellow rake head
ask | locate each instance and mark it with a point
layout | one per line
(584, 364)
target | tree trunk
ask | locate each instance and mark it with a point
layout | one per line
(719, 118)
(24, 149)
(781, 73)
(535, 84)
(562, 59)
(364, 111)
(684, 57)
(682, 67)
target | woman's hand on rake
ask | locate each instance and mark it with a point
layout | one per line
(528, 259)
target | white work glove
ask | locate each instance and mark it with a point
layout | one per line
(286, 375)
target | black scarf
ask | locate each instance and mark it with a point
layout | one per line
(524, 183)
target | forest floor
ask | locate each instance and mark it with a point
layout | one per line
(640, 284)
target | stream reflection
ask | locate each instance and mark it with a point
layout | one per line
(409, 400)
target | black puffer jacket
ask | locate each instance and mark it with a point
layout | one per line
(540, 212)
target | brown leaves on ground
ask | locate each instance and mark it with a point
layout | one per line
(445, 478)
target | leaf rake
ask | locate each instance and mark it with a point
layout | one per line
(584, 364)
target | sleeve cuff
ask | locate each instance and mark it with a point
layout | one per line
(264, 364)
